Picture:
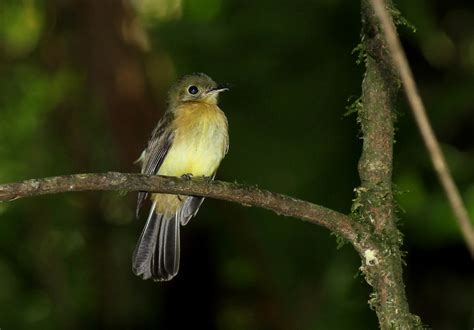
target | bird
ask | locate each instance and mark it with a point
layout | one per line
(190, 140)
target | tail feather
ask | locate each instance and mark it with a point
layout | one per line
(157, 253)
(169, 248)
(142, 255)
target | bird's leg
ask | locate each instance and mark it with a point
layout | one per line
(187, 176)
(208, 179)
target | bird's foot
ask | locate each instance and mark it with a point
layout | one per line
(187, 176)
(208, 179)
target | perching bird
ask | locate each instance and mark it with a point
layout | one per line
(190, 140)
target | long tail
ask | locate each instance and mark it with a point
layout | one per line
(157, 253)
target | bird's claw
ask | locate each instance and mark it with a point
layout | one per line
(187, 176)
(208, 179)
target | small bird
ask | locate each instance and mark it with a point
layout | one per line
(190, 140)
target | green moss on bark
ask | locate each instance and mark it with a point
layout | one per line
(374, 204)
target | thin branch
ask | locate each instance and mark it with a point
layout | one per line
(419, 111)
(245, 195)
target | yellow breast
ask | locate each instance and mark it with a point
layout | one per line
(200, 141)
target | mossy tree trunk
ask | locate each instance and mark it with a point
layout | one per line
(374, 205)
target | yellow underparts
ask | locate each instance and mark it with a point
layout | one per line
(199, 144)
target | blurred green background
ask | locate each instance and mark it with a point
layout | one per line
(83, 82)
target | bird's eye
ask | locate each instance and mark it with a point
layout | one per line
(193, 90)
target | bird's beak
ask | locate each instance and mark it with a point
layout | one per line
(219, 88)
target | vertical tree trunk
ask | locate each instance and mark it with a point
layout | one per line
(374, 205)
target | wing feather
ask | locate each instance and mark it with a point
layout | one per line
(191, 206)
(155, 152)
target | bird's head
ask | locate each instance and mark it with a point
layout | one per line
(197, 87)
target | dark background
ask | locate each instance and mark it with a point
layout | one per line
(83, 82)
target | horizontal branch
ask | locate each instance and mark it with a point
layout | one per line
(336, 222)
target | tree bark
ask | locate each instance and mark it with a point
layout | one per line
(374, 204)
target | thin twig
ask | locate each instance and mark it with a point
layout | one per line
(416, 104)
(245, 195)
